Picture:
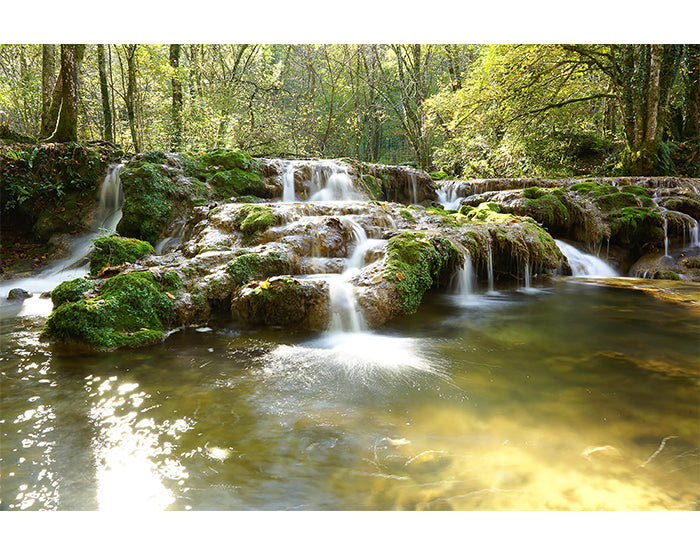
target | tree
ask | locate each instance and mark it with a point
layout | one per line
(130, 99)
(104, 89)
(48, 71)
(177, 96)
(67, 126)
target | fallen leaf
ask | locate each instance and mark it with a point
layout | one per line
(264, 285)
(170, 296)
(400, 277)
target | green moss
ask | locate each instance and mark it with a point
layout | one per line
(147, 201)
(406, 214)
(416, 262)
(235, 182)
(667, 274)
(464, 209)
(278, 303)
(115, 251)
(546, 208)
(258, 266)
(635, 225)
(439, 176)
(253, 219)
(533, 192)
(130, 310)
(70, 291)
(171, 281)
(153, 157)
(585, 187)
(372, 186)
(693, 262)
(229, 159)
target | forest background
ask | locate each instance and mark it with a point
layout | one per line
(455, 109)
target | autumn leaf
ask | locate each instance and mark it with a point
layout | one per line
(170, 295)
(399, 276)
(264, 285)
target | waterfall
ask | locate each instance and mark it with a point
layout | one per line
(74, 266)
(490, 267)
(288, 182)
(528, 277)
(463, 281)
(583, 264)
(414, 189)
(693, 236)
(331, 182)
(448, 195)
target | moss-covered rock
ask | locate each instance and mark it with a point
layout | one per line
(115, 251)
(70, 291)
(129, 310)
(252, 219)
(148, 200)
(633, 226)
(283, 301)
(236, 182)
(258, 266)
(418, 261)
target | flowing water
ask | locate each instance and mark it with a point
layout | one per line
(581, 397)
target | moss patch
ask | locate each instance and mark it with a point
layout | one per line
(416, 262)
(114, 251)
(253, 219)
(251, 265)
(70, 291)
(235, 182)
(129, 310)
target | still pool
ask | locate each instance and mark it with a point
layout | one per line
(568, 397)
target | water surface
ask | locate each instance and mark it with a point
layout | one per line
(572, 396)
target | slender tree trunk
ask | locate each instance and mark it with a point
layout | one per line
(104, 89)
(130, 55)
(177, 96)
(48, 73)
(111, 88)
(453, 67)
(691, 126)
(67, 127)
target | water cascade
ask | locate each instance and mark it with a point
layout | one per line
(583, 264)
(331, 182)
(288, 181)
(693, 236)
(528, 277)
(490, 267)
(74, 266)
(414, 189)
(463, 282)
(448, 195)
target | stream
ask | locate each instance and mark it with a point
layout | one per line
(576, 397)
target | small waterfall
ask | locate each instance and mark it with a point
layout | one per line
(693, 236)
(528, 276)
(331, 182)
(583, 264)
(414, 189)
(490, 267)
(463, 282)
(448, 195)
(288, 182)
(665, 236)
(75, 266)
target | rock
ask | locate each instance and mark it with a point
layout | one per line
(18, 294)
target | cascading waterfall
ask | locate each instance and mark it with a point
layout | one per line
(75, 266)
(490, 267)
(693, 236)
(528, 276)
(463, 282)
(288, 194)
(583, 264)
(331, 182)
(448, 195)
(414, 189)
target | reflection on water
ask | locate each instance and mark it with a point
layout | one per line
(579, 397)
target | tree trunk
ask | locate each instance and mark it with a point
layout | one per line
(691, 126)
(177, 96)
(130, 55)
(67, 126)
(48, 72)
(453, 67)
(647, 73)
(104, 89)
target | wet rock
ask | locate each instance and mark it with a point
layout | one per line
(283, 301)
(18, 294)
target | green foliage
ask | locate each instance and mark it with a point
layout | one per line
(234, 182)
(171, 281)
(130, 310)
(634, 226)
(115, 250)
(416, 262)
